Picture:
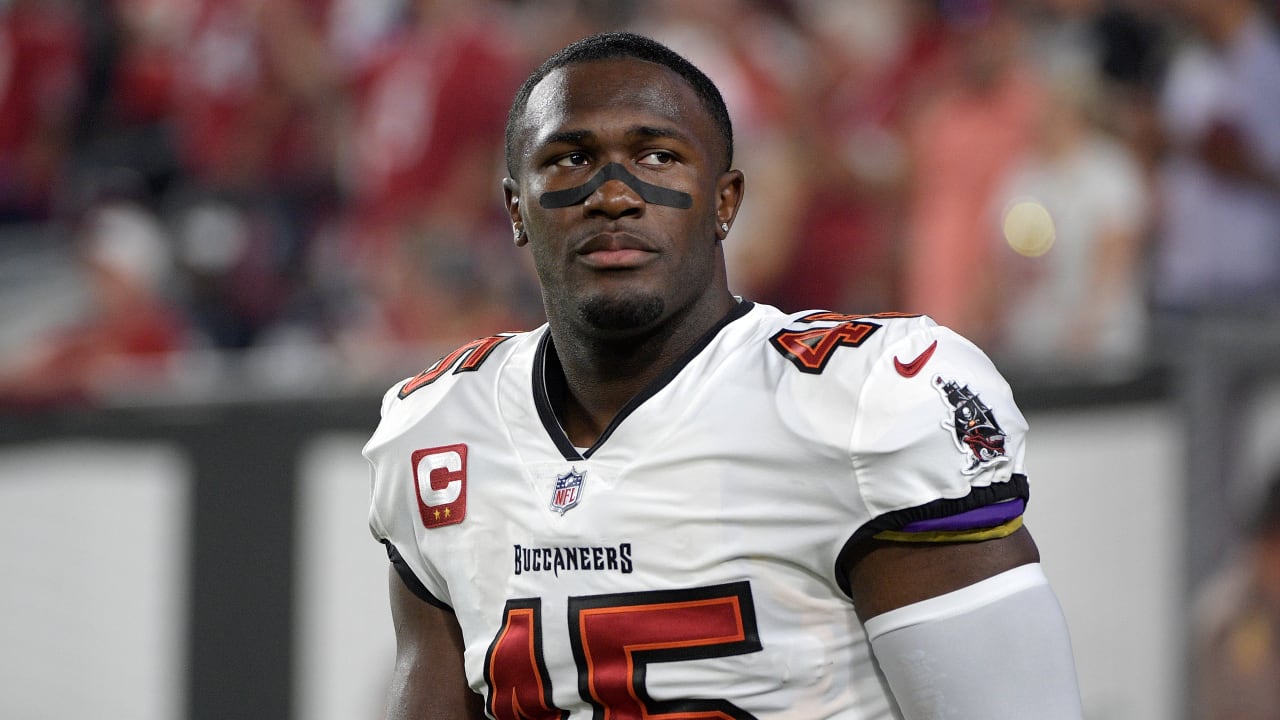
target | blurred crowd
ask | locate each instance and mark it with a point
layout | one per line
(317, 181)
(1236, 639)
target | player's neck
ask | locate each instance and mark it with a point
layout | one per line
(603, 374)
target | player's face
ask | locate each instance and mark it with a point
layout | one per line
(642, 245)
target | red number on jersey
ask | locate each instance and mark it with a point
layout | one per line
(519, 688)
(471, 354)
(841, 317)
(809, 350)
(614, 638)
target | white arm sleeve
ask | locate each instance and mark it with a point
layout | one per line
(996, 650)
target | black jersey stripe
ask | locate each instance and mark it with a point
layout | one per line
(410, 580)
(549, 385)
(1015, 487)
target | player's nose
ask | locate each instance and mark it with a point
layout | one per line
(614, 199)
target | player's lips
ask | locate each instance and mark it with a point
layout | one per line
(615, 250)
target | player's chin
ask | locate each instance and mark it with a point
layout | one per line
(621, 312)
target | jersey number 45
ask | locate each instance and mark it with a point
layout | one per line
(614, 639)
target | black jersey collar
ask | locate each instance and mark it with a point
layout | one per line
(549, 387)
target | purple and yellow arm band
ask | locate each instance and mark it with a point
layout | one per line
(984, 523)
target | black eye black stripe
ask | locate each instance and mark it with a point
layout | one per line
(614, 171)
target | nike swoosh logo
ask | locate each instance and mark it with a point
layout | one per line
(911, 369)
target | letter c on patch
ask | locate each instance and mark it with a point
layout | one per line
(440, 477)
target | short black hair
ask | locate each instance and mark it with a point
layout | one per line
(611, 45)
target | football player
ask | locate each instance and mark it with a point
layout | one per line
(670, 502)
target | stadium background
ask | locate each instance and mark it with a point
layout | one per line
(226, 226)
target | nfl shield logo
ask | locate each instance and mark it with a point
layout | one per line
(568, 491)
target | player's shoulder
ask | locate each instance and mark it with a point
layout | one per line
(825, 342)
(828, 358)
(471, 367)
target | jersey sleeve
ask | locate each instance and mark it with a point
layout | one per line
(937, 443)
(391, 506)
(371, 454)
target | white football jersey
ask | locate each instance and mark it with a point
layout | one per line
(688, 564)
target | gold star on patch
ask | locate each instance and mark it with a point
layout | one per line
(447, 513)
(437, 514)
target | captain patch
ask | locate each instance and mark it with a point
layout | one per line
(973, 426)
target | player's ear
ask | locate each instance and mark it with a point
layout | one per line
(729, 189)
(511, 198)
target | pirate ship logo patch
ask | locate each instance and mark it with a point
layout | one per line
(973, 426)
(568, 491)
